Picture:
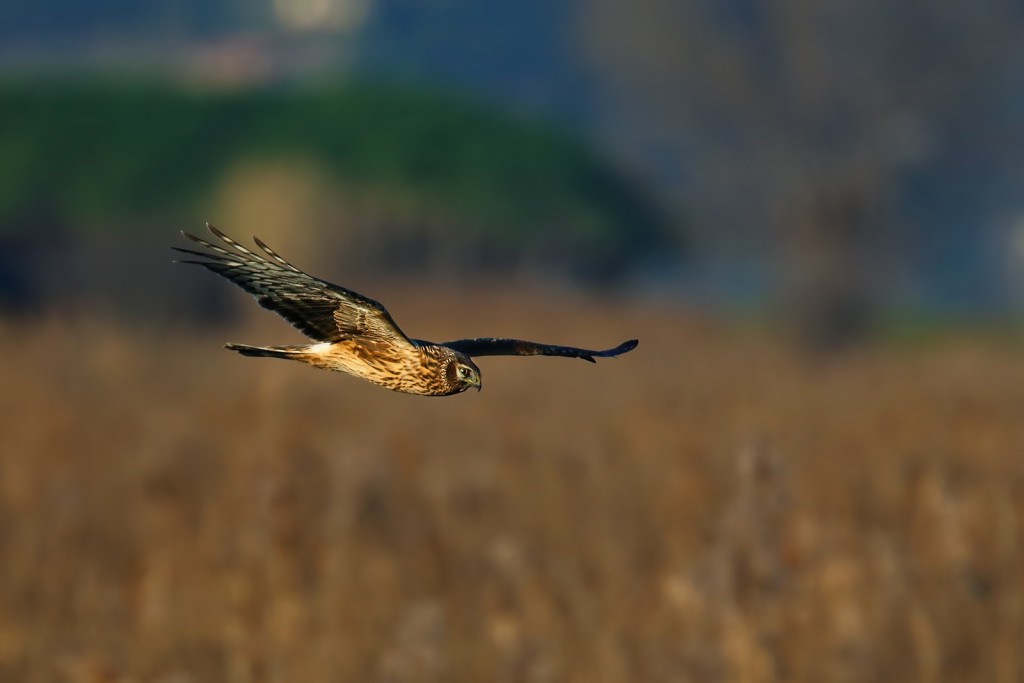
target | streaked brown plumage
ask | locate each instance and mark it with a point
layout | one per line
(357, 335)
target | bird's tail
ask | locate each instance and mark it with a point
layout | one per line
(266, 351)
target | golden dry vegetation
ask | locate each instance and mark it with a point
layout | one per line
(711, 507)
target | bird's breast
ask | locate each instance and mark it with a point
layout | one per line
(409, 370)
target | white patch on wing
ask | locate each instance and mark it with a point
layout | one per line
(322, 347)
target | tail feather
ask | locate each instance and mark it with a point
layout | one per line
(265, 351)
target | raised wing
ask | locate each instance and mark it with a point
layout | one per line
(320, 310)
(489, 346)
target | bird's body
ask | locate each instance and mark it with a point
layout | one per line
(356, 335)
(422, 373)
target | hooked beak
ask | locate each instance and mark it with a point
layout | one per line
(476, 383)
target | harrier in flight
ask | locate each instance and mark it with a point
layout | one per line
(357, 335)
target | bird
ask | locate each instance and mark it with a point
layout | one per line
(354, 334)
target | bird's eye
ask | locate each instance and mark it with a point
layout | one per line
(464, 371)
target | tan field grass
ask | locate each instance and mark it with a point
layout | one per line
(711, 507)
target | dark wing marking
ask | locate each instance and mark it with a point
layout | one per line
(320, 310)
(488, 346)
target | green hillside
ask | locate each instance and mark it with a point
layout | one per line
(100, 156)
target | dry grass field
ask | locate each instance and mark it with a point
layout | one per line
(710, 507)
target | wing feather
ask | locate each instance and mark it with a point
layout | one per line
(319, 309)
(489, 346)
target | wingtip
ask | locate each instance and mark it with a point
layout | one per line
(624, 347)
(182, 251)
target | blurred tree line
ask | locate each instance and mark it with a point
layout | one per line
(859, 145)
(400, 177)
(839, 157)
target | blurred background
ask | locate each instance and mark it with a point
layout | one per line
(811, 214)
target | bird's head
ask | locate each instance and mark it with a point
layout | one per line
(463, 373)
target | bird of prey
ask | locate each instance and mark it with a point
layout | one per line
(355, 334)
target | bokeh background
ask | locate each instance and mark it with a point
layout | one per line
(810, 213)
